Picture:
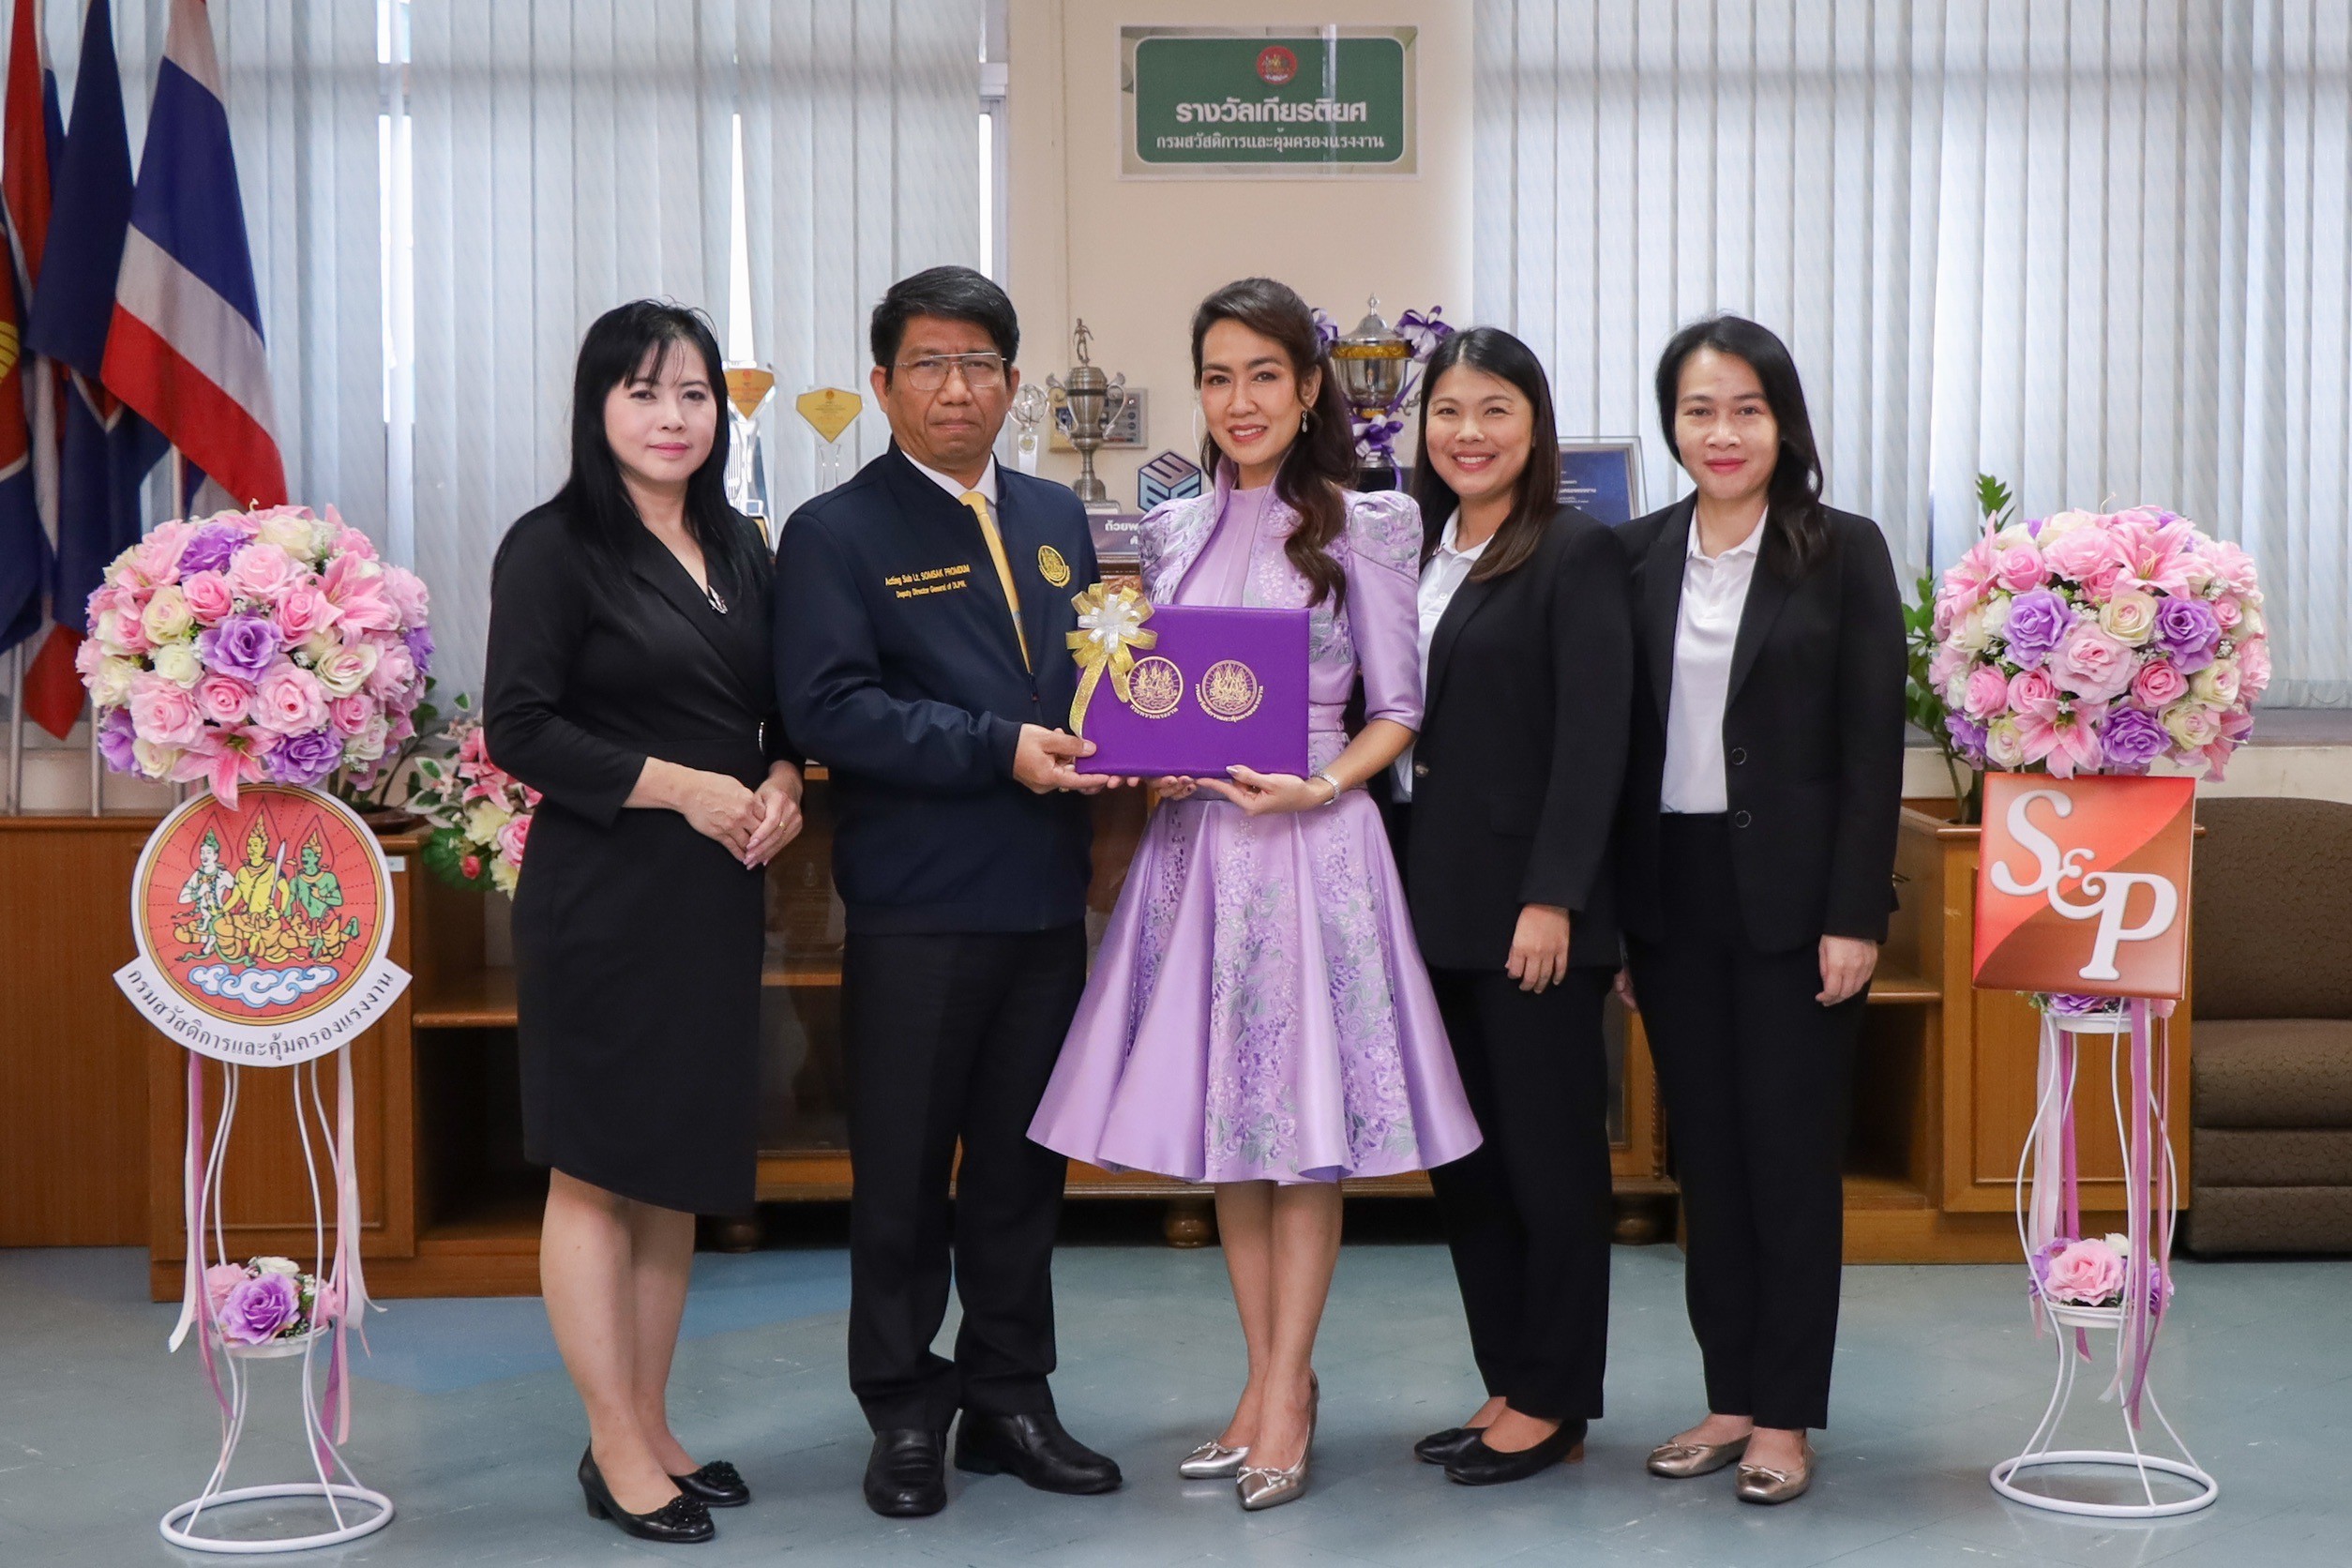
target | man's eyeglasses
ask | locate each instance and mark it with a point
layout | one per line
(982, 372)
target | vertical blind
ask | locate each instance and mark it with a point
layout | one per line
(2096, 246)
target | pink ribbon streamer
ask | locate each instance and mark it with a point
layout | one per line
(195, 1194)
(351, 1283)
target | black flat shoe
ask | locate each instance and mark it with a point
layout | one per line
(906, 1475)
(681, 1522)
(1443, 1448)
(716, 1485)
(1035, 1449)
(1481, 1466)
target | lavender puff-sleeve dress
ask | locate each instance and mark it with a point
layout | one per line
(1258, 1010)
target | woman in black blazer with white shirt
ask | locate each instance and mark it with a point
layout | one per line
(1757, 859)
(1512, 784)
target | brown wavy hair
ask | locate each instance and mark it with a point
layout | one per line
(1315, 471)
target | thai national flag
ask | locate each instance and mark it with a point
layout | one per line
(28, 427)
(107, 448)
(185, 346)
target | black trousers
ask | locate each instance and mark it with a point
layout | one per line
(950, 1039)
(1757, 1081)
(1527, 1213)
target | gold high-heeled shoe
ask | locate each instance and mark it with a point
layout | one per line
(1758, 1483)
(1212, 1461)
(1679, 1461)
(1260, 1486)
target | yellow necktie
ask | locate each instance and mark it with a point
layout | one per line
(979, 505)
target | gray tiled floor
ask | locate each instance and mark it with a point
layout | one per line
(465, 1418)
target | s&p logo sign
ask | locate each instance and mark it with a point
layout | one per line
(2083, 885)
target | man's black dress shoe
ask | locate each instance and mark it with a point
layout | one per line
(1035, 1449)
(1481, 1466)
(716, 1485)
(906, 1475)
(1441, 1448)
(680, 1521)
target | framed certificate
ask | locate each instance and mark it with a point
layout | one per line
(1602, 478)
(1217, 686)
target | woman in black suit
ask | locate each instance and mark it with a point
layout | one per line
(1757, 855)
(629, 680)
(1512, 784)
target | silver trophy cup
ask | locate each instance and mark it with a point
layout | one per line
(1087, 405)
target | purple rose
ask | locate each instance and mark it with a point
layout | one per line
(115, 737)
(210, 549)
(304, 759)
(420, 647)
(258, 1308)
(241, 645)
(2187, 630)
(2133, 738)
(1966, 734)
(2037, 621)
(2068, 1004)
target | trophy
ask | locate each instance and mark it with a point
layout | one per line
(830, 410)
(1029, 412)
(1086, 406)
(1372, 362)
(749, 389)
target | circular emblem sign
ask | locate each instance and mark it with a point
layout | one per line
(1159, 687)
(1277, 64)
(1052, 567)
(261, 927)
(1229, 691)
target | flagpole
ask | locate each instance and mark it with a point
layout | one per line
(15, 729)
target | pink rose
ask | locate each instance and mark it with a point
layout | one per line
(2080, 552)
(1987, 693)
(2229, 610)
(2032, 691)
(209, 596)
(156, 559)
(2090, 663)
(1948, 661)
(354, 585)
(2084, 1273)
(2253, 668)
(225, 699)
(512, 838)
(2233, 567)
(301, 609)
(472, 865)
(163, 712)
(351, 541)
(393, 672)
(410, 599)
(288, 701)
(2159, 684)
(262, 572)
(220, 1280)
(349, 714)
(2019, 568)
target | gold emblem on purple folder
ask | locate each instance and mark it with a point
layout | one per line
(1158, 688)
(1230, 690)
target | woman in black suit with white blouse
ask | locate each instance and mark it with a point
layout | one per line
(629, 680)
(1756, 854)
(1512, 785)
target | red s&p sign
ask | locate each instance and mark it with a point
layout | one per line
(2083, 885)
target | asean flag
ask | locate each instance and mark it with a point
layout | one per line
(184, 349)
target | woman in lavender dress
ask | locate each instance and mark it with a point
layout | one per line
(1259, 1017)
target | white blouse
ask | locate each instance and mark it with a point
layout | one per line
(1714, 593)
(1441, 577)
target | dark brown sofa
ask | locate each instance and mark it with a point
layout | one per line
(2272, 1072)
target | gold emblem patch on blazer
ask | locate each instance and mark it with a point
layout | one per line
(1052, 567)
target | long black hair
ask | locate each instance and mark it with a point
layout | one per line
(627, 343)
(1316, 469)
(1793, 498)
(1536, 497)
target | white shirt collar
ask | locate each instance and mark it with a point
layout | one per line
(1446, 540)
(954, 487)
(1749, 546)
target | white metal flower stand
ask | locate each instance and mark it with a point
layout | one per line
(2049, 1145)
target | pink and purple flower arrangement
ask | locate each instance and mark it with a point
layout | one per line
(481, 814)
(2085, 643)
(2090, 1271)
(249, 646)
(267, 1299)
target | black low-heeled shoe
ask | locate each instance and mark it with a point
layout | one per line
(1443, 1448)
(681, 1522)
(1482, 1466)
(716, 1485)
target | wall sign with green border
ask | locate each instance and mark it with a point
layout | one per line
(1287, 102)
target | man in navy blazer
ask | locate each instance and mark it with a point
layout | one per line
(920, 616)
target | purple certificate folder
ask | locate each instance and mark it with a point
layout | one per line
(1221, 688)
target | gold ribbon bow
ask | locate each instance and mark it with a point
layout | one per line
(1110, 628)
